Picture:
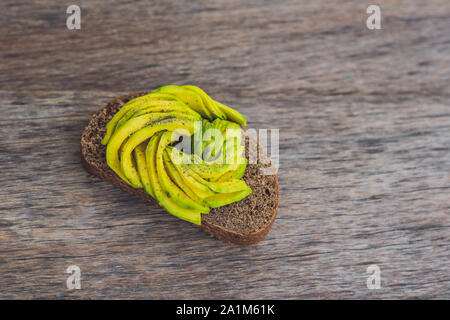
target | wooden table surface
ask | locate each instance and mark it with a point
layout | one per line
(364, 120)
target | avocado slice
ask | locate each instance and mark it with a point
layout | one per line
(141, 163)
(163, 199)
(135, 103)
(190, 98)
(162, 106)
(198, 188)
(171, 189)
(231, 185)
(208, 102)
(232, 114)
(234, 174)
(143, 134)
(222, 199)
(210, 172)
(233, 167)
(112, 149)
(176, 177)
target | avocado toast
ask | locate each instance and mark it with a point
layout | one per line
(244, 222)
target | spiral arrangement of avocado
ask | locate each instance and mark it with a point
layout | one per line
(142, 150)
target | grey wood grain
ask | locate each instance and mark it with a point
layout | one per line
(364, 121)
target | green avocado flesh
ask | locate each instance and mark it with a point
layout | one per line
(184, 148)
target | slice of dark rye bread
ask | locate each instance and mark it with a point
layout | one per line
(244, 222)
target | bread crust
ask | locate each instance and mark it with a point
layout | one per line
(94, 162)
